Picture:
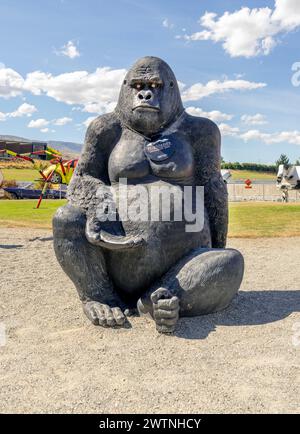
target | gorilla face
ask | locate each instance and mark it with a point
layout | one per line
(149, 98)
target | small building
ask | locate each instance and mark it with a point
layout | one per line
(23, 148)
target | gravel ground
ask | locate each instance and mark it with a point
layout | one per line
(244, 359)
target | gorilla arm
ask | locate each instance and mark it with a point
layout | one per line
(91, 171)
(207, 144)
(90, 175)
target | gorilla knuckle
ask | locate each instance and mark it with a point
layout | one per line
(166, 314)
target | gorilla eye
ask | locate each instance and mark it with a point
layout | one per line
(155, 85)
(171, 84)
(138, 86)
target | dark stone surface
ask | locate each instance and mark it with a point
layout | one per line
(156, 266)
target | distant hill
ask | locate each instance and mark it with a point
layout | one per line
(67, 148)
(9, 137)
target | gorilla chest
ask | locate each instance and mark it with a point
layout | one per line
(167, 158)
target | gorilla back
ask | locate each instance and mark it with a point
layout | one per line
(154, 265)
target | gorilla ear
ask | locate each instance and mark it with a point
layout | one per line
(125, 81)
(171, 83)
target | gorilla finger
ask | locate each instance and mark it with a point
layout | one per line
(118, 316)
(168, 304)
(117, 242)
(167, 322)
(161, 293)
(110, 321)
(91, 314)
(101, 315)
(163, 313)
(131, 312)
(91, 234)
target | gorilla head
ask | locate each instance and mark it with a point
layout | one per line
(149, 98)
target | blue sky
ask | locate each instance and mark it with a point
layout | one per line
(62, 61)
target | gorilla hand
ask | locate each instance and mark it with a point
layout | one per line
(165, 310)
(103, 315)
(110, 235)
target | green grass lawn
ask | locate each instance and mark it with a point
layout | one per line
(264, 219)
(253, 175)
(23, 213)
(20, 174)
(247, 219)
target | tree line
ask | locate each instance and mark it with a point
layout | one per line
(272, 168)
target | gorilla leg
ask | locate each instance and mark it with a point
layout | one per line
(85, 265)
(203, 282)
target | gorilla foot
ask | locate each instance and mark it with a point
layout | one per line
(104, 315)
(165, 310)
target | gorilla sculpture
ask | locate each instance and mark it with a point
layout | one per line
(155, 267)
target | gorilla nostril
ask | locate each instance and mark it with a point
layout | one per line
(148, 97)
(140, 96)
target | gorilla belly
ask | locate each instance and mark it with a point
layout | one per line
(166, 240)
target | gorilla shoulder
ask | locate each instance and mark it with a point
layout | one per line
(203, 129)
(101, 136)
(103, 124)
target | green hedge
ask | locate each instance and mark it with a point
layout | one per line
(250, 166)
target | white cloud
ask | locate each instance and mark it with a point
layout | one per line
(181, 86)
(99, 88)
(24, 109)
(227, 130)
(249, 32)
(44, 130)
(87, 122)
(292, 137)
(214, 115)
(287, 12)
(43, 123)
(199, 90)
(253, 135)
(257, 119)
(69, 50)
(11, 83)
(98, 107)
(62, 121)
(167, 24)
(38, 123)
(239, 75)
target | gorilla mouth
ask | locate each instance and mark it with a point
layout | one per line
(146, 107)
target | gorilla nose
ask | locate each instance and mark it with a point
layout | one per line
(145, 95)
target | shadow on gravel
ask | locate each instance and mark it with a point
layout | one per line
(41, 239)
(247, 308)
(11, 246)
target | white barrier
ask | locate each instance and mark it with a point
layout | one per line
(259, 192)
